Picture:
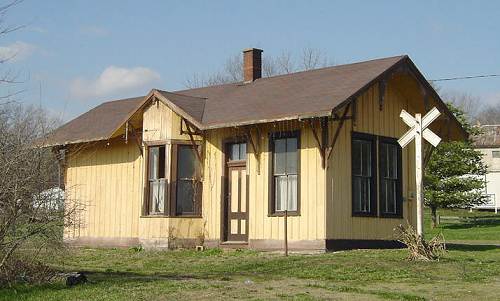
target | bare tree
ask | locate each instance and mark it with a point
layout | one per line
(312, 59)
(470, 104)
(284, 63)
(489, 114)
(32, 211)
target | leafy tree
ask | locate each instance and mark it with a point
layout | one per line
(454, 175)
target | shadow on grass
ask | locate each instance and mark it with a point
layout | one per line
(482, 224)
(470, 248)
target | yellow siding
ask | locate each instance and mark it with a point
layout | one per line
(160, 123)
(308, 226)
(106, 181)
(109, 179)
(369, 119)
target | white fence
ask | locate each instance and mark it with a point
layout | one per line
(492, 203)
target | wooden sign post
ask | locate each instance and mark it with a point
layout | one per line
(418, 129)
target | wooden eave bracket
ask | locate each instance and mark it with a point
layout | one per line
(255, 145)
(194, 130)
(331, 145)
(135, 134)
(321, 142)
(191, 133)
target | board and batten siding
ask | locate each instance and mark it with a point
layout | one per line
(309, 226)
(386, 122)
(161, 125)
(105, 180)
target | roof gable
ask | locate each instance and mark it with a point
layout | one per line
(305, 94)
(100, 123)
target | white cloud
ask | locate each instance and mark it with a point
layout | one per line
(16, 51)
(113, 81)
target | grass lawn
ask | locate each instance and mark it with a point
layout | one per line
(464, 273)
(481, 232)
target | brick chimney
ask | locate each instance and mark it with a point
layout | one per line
(252, 64)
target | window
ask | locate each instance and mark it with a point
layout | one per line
(156, 179)
(188, 184)
(285, 172)
(495, 154)
(363, 175)
(390, 190)
(238, 152)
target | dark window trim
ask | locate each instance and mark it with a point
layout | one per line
(271, 200)
(374, 190)
(399, 183)
(146, 201)
(173, 183)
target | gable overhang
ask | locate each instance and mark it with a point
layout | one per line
(406, 65)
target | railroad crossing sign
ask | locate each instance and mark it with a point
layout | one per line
(418, 129)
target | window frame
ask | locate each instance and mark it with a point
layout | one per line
(271, 187)
(147, 189)
(174, 176)
(373, 182)
(399, 182)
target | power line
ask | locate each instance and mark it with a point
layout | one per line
(464, 77)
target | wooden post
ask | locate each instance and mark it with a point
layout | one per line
(418, 130)
(285, 221)
(286, 231)
(418, 174)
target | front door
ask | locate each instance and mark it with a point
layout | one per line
(236, 193)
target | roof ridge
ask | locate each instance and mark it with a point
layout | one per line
(180, 94)
(241, 83)
(334, 66)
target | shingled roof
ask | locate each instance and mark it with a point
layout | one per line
(312, 93)
(490, 137)
(97, 124)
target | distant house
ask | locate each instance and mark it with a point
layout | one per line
(220, 165)
(488, 143)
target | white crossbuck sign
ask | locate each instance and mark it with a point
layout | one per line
(418, 129)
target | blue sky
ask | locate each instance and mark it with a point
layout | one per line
(82, 53)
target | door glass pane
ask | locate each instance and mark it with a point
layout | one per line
(279, 156)
(243, 151)
(235, 151)
(291, 155)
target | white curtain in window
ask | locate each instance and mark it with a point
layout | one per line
(286, 192)
(292, 192)
(157, 196)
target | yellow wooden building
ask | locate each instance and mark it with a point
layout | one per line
(223, 165)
